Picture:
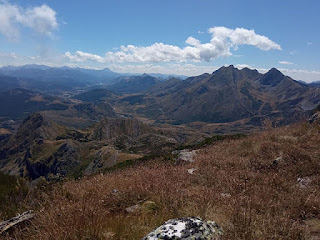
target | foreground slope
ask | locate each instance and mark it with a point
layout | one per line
(264, 186)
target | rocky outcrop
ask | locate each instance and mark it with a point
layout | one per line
(43, 148)
(105, 157)
(186, 228)
(315, 118)
(59, 164)
(109, 128)
(130, 134)
(185, 156)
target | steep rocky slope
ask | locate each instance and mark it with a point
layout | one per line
(41, 147)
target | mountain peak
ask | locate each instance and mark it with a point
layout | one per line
(229, 68)
(106, 70)
(273, 77)
(274, 72)
(145, 75)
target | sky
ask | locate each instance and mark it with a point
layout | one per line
(186, 37)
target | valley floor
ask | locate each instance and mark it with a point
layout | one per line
(264, 186)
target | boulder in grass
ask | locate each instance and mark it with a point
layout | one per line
(186, 228)
(186, 156)
(315, 118)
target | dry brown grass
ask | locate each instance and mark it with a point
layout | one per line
(237, 183)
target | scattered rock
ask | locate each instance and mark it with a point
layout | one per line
(114, 191)
(186, 228)
(109, 235)
(133, 209)
(315, 118)
(186, 155)
(303, 182)
(146, 207)
(277, 161)
(225, 195)
(191, 170)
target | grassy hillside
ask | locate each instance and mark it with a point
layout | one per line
(265, 186)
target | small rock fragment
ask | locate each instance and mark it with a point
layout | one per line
(303, 182)
(133, 209)
(191, 170)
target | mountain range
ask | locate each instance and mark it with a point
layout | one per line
(98, 126)
(56, 80)
(226, 95)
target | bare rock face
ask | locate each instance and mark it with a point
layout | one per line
(59, 164)
(186, 228)
(105, 157)
(109, 128)
(185, 156)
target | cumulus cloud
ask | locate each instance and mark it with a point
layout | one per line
(82, 56)
(223, 40)
(40, 19)
(285, 62)
(241, 36)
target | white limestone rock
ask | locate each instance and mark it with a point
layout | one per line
(186, 228)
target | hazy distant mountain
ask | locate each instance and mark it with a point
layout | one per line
(19, 103)
(55, 80)
(95, 95)
(133, 84)
(315, 84)
(7, 83)
(165, 77)
(105, 74)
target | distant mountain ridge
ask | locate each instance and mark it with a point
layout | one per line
(133, 84)
(228, 95)
(55, 80)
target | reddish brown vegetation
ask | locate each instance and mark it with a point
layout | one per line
(237, 183)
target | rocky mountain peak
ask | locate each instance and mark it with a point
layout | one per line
(273, 77)
(274, 72)
(38, 126)
(145, 75)
(224, 69)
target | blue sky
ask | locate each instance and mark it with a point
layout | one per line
(178, 36)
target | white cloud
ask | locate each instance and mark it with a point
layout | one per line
(81, 56)
(285, 62)
(10, 58)
(223, 40)
(294, 52)
(301, 74)
(241, 66)
(40, 19)
(241, 36)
